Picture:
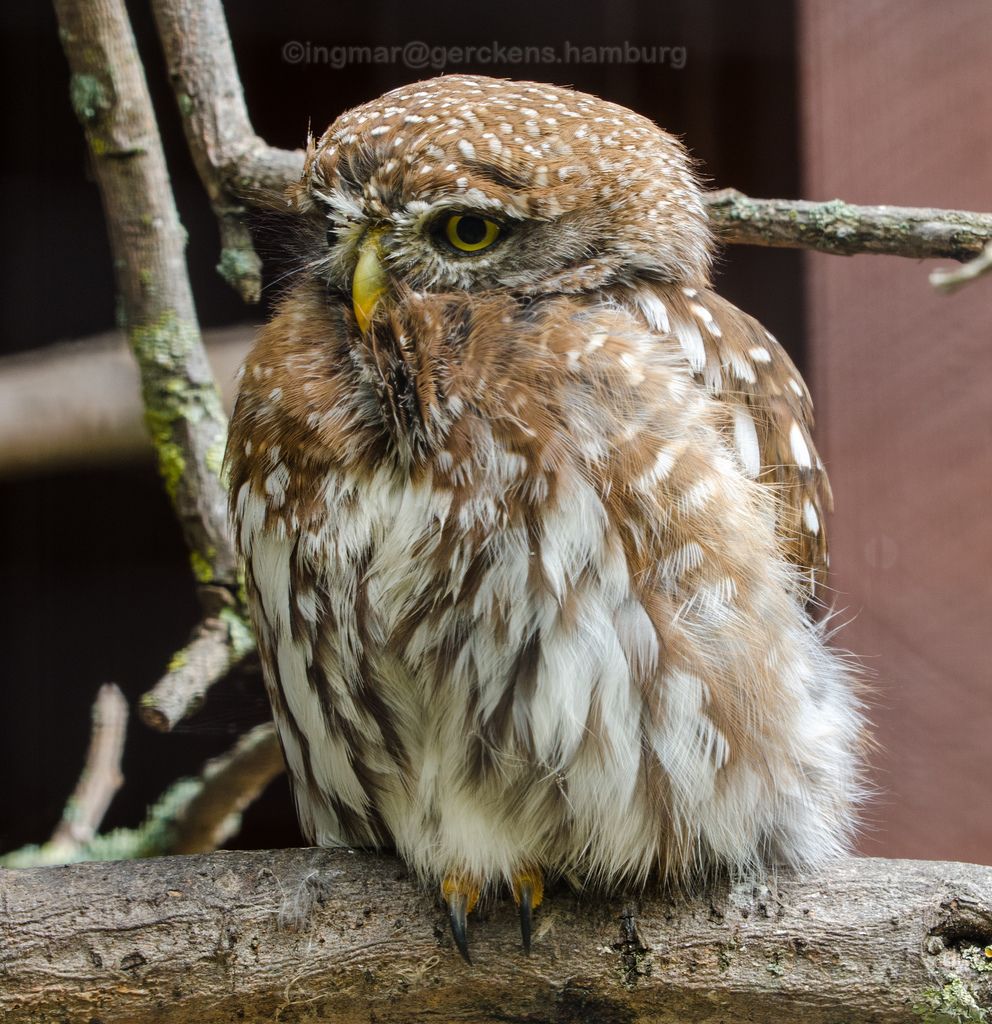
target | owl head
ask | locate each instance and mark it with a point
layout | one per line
(472, 184)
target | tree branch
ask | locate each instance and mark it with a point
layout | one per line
(218, 129)
(229, 784)
(840, 228)
(237, 166)
(205, 938)
(194, 815)
(218, 643)
(182, 407)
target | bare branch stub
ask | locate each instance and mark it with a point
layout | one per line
(218, 643)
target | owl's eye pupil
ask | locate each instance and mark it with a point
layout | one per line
(468, 232)
(471, 230)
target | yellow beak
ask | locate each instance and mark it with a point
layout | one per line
(369, 282)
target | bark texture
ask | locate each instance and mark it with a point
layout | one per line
(305, 935)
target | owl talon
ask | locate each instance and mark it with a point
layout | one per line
(459, 897)
(528, 891)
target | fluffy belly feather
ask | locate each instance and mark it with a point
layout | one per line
(486, 694)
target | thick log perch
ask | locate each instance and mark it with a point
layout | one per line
(301, 935)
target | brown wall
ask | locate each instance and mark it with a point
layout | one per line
(897, 108)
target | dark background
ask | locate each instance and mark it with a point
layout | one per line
(93, 573)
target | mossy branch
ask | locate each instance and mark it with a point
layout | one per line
(182, 406)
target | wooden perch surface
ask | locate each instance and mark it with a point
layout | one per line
(303, 935)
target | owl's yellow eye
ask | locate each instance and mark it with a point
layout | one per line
(469, 233)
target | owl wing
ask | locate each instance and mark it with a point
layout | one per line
(769, 414)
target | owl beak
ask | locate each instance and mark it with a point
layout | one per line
(369, 281)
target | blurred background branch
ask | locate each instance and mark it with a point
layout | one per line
(79, 403)
(194, 815)
(100, 780)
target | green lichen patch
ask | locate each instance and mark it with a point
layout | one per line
(202, 565)
(951, 1004)
(152, 838)
(214, 458)
(90, 98)
(241, 636)
(242, 270)
(236, 264)
(166, 341)
(178, 661)
(978, 959)
(171, 461)
(177, 404)
(775, 966)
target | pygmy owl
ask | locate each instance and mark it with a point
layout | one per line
(531, 518)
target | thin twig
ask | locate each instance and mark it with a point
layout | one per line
(218, 643)
(950, 280)
(182, 407)
(101, 777)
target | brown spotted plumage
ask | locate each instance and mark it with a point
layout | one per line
(531, 517)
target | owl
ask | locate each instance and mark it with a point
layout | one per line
(532, 520)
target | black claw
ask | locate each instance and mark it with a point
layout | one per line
(457, 914)
(526, 912)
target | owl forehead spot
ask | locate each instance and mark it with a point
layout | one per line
(531, 114)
